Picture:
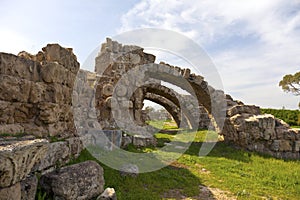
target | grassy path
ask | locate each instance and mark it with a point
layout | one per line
(225, 173)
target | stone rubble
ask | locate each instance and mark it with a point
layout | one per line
(108, 194)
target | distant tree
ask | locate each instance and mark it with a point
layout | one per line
(291, 83)
(149, 109)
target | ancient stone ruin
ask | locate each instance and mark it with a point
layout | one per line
(50, 109)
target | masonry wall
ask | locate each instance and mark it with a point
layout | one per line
(246, 128)
(36, 92)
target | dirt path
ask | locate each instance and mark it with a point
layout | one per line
(205, 193)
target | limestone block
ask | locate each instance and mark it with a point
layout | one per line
(290, 134)
(285, 145)
(57, 129)
(239, 109)
(49, 112)
(143, 141)
(75, 146)
(296, 146)
(129, 170)
(11, 193)
(57, 154)
(64, 56)
(108, 194)
(281, 131)
(11, 128)
(18, 159)
(37, 130)
(52, 72)
(23, 112)
(37, 91)
(134, 58)
(275, 145)
(80, 181)
(6, 112)
(14, 89)
(28, 188)
(19, 67)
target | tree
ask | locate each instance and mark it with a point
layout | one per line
(149, 109)
(291, 83)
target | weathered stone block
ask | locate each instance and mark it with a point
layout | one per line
(19, 67)
(75, 145)
(108, 194)
(143, 141)
(239, 109)
(58, 153)
(296, 146)
(11, 193)
(64, 56)
(49, 112)
(11, 128)
(285, 145)
(28, 188)
(18, 159)
(80, 181)
(129, 170)
(14, 89)
(275, 145)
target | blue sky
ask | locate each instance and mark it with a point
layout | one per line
(253, 43)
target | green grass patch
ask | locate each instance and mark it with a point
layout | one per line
(246, 175)
(163, 124)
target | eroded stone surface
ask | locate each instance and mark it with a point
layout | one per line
(81, 181)
(28, 188)
(108, 194)
(36, 92)
(11, 192)
(247, 128)
(18, 159)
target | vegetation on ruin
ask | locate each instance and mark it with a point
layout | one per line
(245, 175)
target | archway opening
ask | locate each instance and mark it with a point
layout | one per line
(158, 116)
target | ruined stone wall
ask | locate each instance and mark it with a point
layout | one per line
(36, 92)
(247, 128)
(244, 126)
(116, 60)
(35, 102)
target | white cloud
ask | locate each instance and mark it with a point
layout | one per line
(253, 43)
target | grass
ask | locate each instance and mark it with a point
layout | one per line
(160, 124)
(295, 127)
(245, 175)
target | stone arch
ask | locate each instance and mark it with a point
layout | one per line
(115, 60)
(168, 105)
(168, 98)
